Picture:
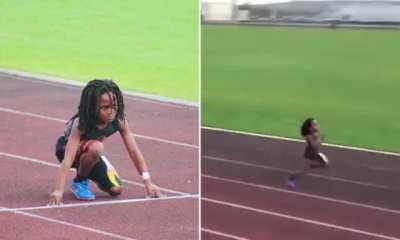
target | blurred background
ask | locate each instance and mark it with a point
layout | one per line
(268, 65)
(311, 11)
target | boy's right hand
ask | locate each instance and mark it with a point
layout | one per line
(56, 198)
(152, 190)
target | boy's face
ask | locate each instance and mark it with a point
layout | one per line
(314, 126)
(107, 107)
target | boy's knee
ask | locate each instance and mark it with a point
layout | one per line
(95, 147)
(115, 191)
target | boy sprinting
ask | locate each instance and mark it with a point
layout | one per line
(314, 158)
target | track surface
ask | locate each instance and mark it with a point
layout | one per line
(244, 192)
(33, 113)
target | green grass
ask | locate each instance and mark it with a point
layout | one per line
(146, 46)
(268, 80)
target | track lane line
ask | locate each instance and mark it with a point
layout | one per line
(298, 140)
(81, 227)
(230, 161)
(223, 234)
(270, 188)
(38, 161)
(76, 85)
(99, 203)
(300, 219)
(22, 113)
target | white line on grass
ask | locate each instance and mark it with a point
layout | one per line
(71, 84)
(100, 203)
(367, 184)
(300, 219)
(8, 110)
(223, 234)
(387, 210)
(298, 140)
(34, 160)
(113, 235)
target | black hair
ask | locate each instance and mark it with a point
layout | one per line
(305, 127)
(90, 100)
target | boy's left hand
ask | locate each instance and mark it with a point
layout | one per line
(152, 190)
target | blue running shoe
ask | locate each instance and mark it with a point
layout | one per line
(81, 190)
(291, 183)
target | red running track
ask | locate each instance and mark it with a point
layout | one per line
(244, 195)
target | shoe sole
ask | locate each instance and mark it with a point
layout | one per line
(324, 158)
(86, 199)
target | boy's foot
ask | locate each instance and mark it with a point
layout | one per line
(324, 159)
(291, 183)
(81, 191)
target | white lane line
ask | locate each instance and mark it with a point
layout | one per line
(298, 140)
(223, 234)
(8, 110)
(34, 160)
(100, 203)
(166, 141)
(366, 184)
(108, 234)
(265, 187)
(71, 84)
(300, 219)
(161, 188)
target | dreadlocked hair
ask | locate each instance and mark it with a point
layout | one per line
(305, 127)
(90, 100)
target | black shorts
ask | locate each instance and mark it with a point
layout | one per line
(103, 173)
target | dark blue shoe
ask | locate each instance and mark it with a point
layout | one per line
(81, 190)
(291, 183)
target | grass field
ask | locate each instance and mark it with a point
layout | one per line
(269, 79)
(147, 46)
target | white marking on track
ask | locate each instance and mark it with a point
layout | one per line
(300, 219)
(72, 84)
(34, 160)
(8, 110)
(367, 184)
(52, 220)
(223, 234)
(99, 203)
(298, 140)
(387, 210)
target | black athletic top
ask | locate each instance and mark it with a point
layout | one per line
(96, 133)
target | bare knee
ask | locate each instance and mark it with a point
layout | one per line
(95, 147)
(89, 158)
(115, 191)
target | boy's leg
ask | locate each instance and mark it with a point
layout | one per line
(295, 175)
(309, 165)
(106, 177)
(87, 157)
(320, 162)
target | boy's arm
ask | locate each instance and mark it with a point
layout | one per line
(70, 152)
(137, 158)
